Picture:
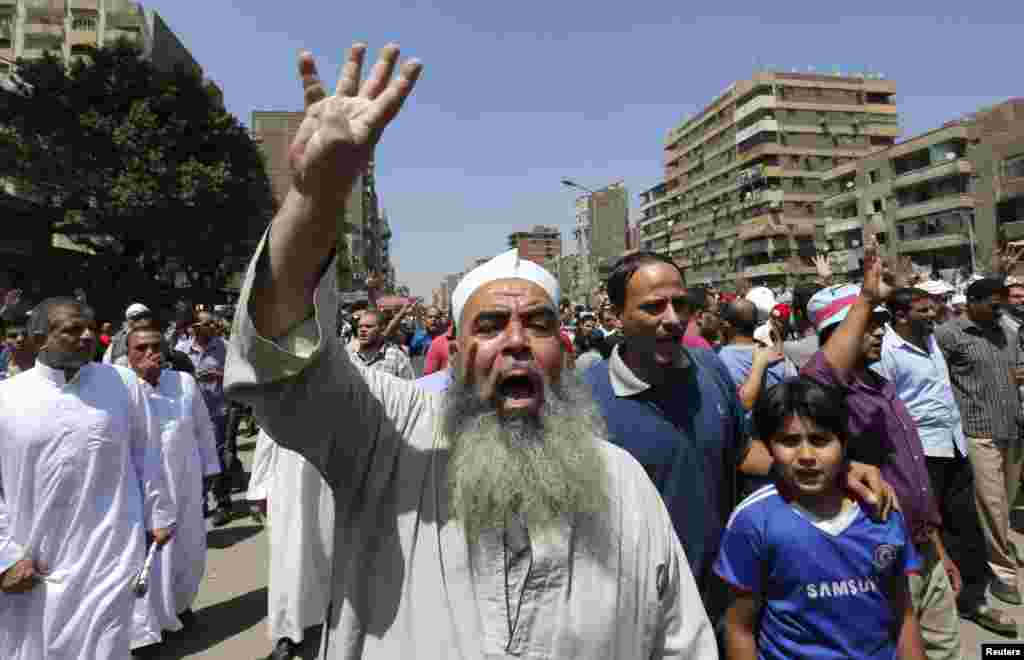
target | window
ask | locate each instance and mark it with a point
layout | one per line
(87, 23)
(873, 176)
(876, 206)
(1014, 166)
(6, 30)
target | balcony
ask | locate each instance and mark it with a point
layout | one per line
(933, 243)
(44, 32)
(753, 105)
(765, 270)
(938, 205)
(765, 125)
(838, 226)
(936, 171)
(842, 198)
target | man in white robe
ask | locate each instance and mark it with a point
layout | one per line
(80, 486)
(301, 536)
(492, 520)
(179, 417)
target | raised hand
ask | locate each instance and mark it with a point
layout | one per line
(874, 289)
(1005, 260)
(824, 268)
(374, 281)
(336, 138)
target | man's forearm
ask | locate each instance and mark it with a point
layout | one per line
(302, 236)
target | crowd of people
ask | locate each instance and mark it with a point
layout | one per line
(659, 471)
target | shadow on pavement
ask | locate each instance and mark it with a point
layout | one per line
(213, 625)
(225, 537)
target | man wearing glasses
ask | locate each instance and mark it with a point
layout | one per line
(208, 352)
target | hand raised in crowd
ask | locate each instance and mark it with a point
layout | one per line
(823, 267)
(23, 576)
(374, 281)
(336, 139)
(874, 288)
(1006, 258)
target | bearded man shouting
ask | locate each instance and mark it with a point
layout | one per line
(491, 520)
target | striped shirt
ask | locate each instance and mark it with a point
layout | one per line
(389, 358)
(981, 362)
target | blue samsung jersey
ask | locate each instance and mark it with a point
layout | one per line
(825, 595)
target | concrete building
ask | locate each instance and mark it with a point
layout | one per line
(66, 28)
(540, 245)
(943, 198)
(602, 229)
(366, 232)
(743, 191)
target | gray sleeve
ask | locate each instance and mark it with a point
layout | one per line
(308, 394)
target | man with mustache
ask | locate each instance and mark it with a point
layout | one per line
(80, 483)
(189, 450)
(986, 368)
(851, 324)
(912, 360)
(491, 520)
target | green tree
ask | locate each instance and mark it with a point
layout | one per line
(136, 162)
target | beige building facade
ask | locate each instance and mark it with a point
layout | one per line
(366, 231)
(743, 192)
(943, 198)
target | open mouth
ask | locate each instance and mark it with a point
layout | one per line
(518, 387)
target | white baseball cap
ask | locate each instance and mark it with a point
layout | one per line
(763, 299)
(135, 310)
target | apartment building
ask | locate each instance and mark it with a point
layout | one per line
(943, 198)
(367, 233)
(743, 190)
(66, 28)
(540, 245)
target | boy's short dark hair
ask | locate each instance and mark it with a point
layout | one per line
(803, 397)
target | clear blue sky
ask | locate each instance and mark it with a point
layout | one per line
(517, 95)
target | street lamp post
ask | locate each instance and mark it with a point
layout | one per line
(582, 237)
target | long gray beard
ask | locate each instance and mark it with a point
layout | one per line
(542, 468)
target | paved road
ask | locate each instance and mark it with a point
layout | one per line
(231, 609)
(232, 604)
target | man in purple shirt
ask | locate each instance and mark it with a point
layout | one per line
(851, 326)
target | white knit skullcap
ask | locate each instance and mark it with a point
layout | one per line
(502, 267)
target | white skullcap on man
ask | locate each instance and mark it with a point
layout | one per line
(503, 267)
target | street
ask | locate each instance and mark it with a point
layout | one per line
(231, 610)
(230, 621)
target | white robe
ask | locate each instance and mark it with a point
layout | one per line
(261, 472)
(405, 582)
(80, 482)
(186, 434)
(301, 534)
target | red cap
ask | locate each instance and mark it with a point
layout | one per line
(781, 310)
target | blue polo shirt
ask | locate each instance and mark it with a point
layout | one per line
(688, 433)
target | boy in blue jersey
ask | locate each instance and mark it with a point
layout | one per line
(812, 575)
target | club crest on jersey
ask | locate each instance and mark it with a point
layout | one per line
(884, 556)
